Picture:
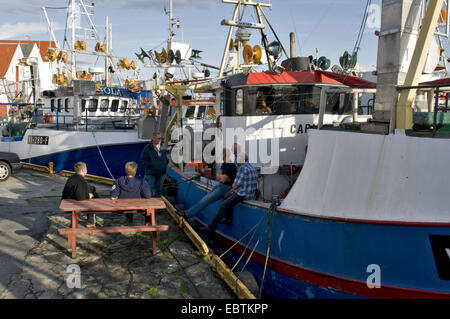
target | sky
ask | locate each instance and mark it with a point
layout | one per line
(331, 26)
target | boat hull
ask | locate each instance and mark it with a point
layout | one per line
(104, 152)
(317, 257)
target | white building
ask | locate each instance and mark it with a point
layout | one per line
(15, 77)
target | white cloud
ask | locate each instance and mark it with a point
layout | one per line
(21, 29)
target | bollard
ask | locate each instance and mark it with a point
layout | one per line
(50, 168)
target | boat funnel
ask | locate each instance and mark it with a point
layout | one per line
(296, 64)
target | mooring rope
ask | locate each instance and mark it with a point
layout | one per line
(101, 155)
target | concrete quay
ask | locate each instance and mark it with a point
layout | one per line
(36, 260)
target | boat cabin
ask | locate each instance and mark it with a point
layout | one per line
(112, 105)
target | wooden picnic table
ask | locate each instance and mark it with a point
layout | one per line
(107, 206)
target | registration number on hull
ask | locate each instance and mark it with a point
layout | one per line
(38, 140)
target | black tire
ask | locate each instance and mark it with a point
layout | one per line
(5, 171)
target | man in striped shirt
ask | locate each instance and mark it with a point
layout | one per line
(244, 187)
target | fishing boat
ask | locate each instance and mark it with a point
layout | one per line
(366, 216)
(102, 116)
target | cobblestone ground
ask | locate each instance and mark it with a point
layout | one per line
(35, 258)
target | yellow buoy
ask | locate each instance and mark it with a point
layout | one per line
(212, 112)
(247, 54)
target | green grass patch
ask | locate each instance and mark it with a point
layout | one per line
(182, 287)
(153, 291)
(138, 234)
(162, 243)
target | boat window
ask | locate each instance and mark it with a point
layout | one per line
(309, 99)
(104, 105)
(123, 106)
(83, 105)
(339, 103)
(114, 105)
(59, 105)
(52, 105)
(239, 102)
(264, 101)
(93, 104)
(66, 104)
(190, 110)
(201, 111)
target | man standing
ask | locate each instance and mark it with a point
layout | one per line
(244, 187)
(225, 176)
(154, 159)
(77, 188)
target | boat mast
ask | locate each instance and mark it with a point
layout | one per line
(169, 44)
(72, 17)
(106, 51)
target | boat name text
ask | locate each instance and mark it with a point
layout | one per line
(299, 129)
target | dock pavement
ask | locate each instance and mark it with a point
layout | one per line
(36, 261)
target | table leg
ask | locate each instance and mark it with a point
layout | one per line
(73, 237)
(151, 220)
(154, 223)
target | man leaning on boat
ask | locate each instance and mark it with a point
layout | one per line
(244, 187)
(225, 176)
(154, 160)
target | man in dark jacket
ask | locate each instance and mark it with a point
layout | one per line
(130, 186)
(154, 159)
(77, 188)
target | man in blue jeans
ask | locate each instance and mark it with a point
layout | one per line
(154, 159)
(244, 187)
(225, 176)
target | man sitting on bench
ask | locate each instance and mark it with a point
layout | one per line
(130, 186)
(78, 188)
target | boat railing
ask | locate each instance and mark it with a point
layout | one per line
(355, 92)
(99, 121)
(435, 89)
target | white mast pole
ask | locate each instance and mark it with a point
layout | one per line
(74, 67)
(170, 26)
(106, 51)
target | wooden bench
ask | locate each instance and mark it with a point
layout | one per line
(107, 206)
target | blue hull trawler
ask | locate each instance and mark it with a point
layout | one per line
(367, 215)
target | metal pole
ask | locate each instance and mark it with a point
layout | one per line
(292, 38)
(258, 12)
(227, 45)
(106, 51)
(74, 55)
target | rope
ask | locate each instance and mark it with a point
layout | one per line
(362, 28)
(273, 207)
(101, 155)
